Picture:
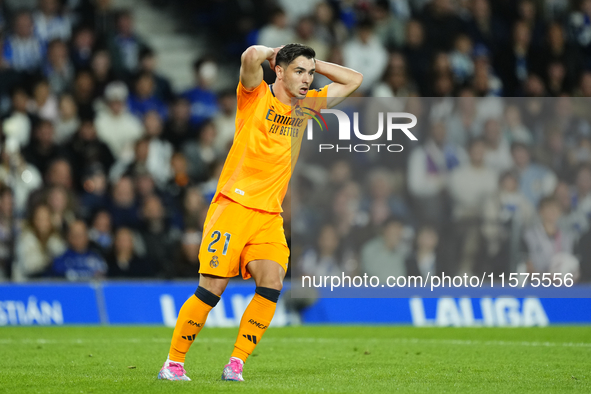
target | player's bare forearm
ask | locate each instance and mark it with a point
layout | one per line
(251, 73)
(345, 81)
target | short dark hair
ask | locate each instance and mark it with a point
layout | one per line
(290, 52)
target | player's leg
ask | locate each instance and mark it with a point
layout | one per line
(268, 276)
(190, 321)
(219, 260)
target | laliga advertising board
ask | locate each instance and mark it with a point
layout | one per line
(158, 303)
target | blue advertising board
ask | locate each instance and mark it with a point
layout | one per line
(158, 303)
(46, 304)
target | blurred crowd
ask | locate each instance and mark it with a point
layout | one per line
(107, 171)
(493, 185)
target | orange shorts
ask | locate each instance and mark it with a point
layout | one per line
(235, 235)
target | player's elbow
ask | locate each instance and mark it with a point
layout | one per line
(250, 55)
(357, 79)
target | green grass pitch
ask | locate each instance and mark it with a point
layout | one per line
(315, 359)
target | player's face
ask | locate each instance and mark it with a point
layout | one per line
(299, 76)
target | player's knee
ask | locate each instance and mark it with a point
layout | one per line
(215, 285)
(271, 282)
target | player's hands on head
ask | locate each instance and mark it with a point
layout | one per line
(273, 57)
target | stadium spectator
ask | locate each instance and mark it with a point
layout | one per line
(59, 173)
(428, 169)
(425, 259)
(36, 246)
(102, 71)
(384, 198)
(143, 99)
(584, 252)
(44, 103)
(580, 28)
(553, 153)
(100, 232)
(464, 122)
(101, 16)
(581, 199)
(58, 69)
(194, 207)
(136, 164)
(180, 175)
(485, 81)
(178, 128)
(395, 82)
(573, 126)
(86, 151)
(159, 150)
(506, 214)
(305, 35)
(68, 121)
(122, 207)
(497, 154)
(514, 61)
(115, 126)
(470, 185)
(42, 149)
(528, 12)
(159, 237)
(84, 93)
(546, 242)
(294, 11)
(277, 32)
(21, 118)
(27, 179)
(200, 154)
(186, 262)
(63, 206)
(417, 54)
(83, 45)
(23, 50)
(326, 258)
(225, 122)
(94, 196)
(201, 98)
(329, 28)
(126, 44)
(386, 254)
(124, 260)
(50, 23)
(366, 54)
(79, 262)
(514, 129)
(388, 28)
(442, 24)
(162, 88)
(535, 181)
(7, 227)
(460, 58)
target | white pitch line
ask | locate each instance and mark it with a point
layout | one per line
(417, 341)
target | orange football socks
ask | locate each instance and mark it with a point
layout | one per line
(190, 321)
(255, 320)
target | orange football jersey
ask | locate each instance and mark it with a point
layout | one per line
(266, 146)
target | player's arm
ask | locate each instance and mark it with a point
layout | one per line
(344, 81)
(251, 72)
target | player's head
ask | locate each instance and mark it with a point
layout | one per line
(295, 66)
